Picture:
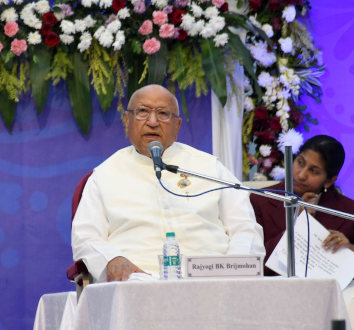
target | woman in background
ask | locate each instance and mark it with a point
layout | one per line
(315, 171)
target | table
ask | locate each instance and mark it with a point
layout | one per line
(265, 303)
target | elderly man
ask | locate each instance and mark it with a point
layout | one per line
(120, 225)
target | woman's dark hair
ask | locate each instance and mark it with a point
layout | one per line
(331, 151)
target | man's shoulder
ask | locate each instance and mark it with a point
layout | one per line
(114, 158)
(193, 152)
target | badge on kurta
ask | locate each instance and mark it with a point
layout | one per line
(184, 182)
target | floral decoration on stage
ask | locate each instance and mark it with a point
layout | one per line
(118, 46)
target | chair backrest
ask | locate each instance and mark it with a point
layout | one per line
(77, 194)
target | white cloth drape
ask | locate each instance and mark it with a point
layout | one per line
(227, 126)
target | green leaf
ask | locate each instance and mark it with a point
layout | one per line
(244, 56)
(184, 104)
(136, 67)
(79, 92)
(157, 66)
(213, 65)
(106, 99)
(39, 71)
(7, 110)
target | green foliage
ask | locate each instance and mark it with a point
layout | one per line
(61, 66)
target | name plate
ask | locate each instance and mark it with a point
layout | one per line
(224, 266)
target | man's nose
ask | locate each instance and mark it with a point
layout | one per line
(152, 119)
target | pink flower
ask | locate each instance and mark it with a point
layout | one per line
(167, 31)
(218, 3)
(1, 47)
(267, 163)
(151, 46)
(139, 7)
(11, 28)
(145, 28)
(18, 46)
(160, 17)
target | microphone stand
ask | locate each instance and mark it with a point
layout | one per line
(290, 202)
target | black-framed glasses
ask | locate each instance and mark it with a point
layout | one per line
(143, 113)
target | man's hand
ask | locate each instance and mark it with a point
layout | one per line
(120, 268)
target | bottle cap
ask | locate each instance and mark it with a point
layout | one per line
(172, 234)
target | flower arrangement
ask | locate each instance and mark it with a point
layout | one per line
(119, 45)
(285, 70)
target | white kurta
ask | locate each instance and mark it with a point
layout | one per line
(124, 211)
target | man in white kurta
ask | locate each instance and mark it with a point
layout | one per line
(124, 212)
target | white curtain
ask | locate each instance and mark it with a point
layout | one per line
(227, 126)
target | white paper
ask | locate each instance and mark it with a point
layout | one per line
(322, 263)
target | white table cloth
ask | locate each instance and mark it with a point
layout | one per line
(265, 303)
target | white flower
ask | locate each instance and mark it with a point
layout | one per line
(268, 29)
(211, 12)
(87, 3)
(217, 23)
(106, 38)
(159, 3)
(85, 42)
(105, 3)
(248, 104)
(9, 15)
(290, 138)
(80, 25)
(196, 10)
(123, 13)
(114, 26)
(66, 39)
(196, 28)
(98, 32)
(286, 44)
(289, 13)
(265, 150)
(208, 31)
(67, 27)
(120, 40)
(265, 79)
(17, 2)
(89, 21)
(42, 7)
(259, 177)
(260, 52)
(187, 22)
(277, 173)
(254, 21)
(34, 38)
(4, 2)
(221, 39)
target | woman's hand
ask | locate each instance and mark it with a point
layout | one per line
(310, 197)
(336, 240)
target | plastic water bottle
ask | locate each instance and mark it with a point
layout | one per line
(171, 258)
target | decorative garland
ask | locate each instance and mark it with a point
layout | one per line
(118, 46)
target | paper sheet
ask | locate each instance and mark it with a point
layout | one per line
(322, 263)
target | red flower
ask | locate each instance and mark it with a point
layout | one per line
(261, 113)
(296, 116)
(182, 34)
(176, 16)
(274, 4)
(274, 124)
(255, 4)
(276, 23)
(51, 39)
(224, 8)
(266, 136)
(274, 156)
(49, 18)
(117, 5)
(45, 29)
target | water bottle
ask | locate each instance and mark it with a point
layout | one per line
(171, 258)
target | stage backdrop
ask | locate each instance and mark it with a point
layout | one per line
(45, 156)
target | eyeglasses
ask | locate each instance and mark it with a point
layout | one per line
(143, 113)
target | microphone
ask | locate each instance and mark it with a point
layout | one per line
(155, 149)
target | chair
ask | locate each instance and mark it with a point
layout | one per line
(78, 272)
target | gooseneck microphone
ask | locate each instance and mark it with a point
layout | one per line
(155, 149)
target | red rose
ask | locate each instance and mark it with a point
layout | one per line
(51, 39)
(182, 34)
(260, 125)
(274, 156)
(274, 4)
(255, 4)
(176, 16)
(276, 23)
(224, 8)
(261, 113)
(266, 136)
(117, 5)
(49, 18)
(45, 29)
(274, 124)
(296, 116)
